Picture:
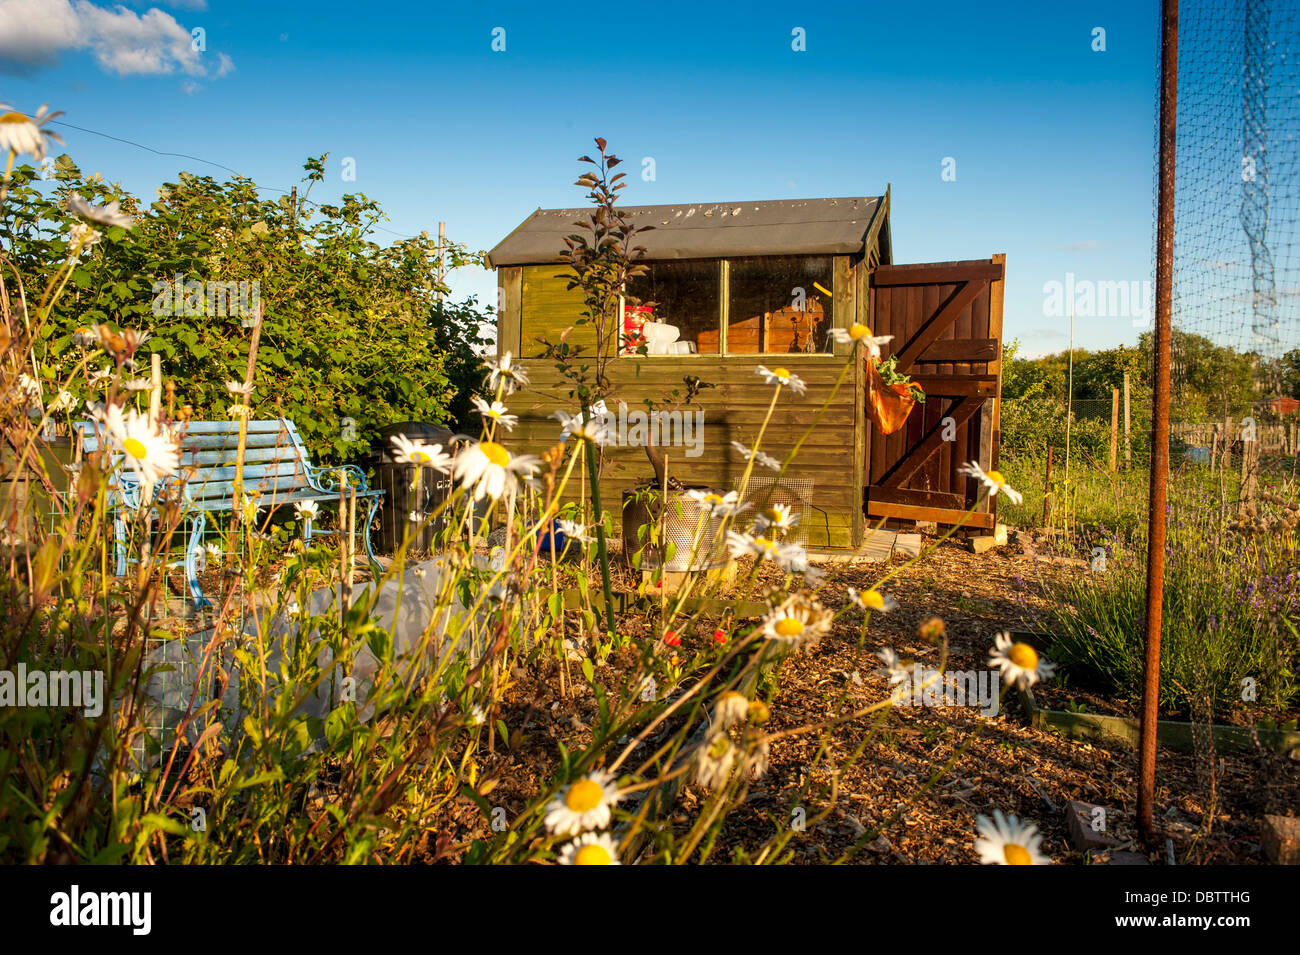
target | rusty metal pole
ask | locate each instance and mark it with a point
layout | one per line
(1159, 419)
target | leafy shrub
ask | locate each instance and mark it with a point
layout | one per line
(353, 337)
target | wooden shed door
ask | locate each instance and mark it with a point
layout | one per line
(946, 319)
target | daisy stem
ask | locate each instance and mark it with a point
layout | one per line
(593, 470)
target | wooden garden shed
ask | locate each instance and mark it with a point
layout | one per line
(750, 283)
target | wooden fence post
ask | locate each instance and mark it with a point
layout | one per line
(1128, 444)
(1114, 428)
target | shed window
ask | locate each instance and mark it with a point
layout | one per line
(779, 304)
(686, 295)
(776, 304)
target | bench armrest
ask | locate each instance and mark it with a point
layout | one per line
(327, 479)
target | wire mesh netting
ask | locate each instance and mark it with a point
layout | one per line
(1236, 299)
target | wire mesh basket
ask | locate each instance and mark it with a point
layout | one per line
(795, 493)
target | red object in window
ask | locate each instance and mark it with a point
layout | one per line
(634, 319)
(1284, 405)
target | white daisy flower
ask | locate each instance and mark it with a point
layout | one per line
(766, 460)
(137, 384)
(782, 377)
(213, 552)
(306, 510)
(596, 427)
(582, 805)
(505, 372)
(709, 500)
(477, 715)
(109, 215)
(238, 411)
(775, 517)
(1005, 841)
(574, 531)
(148, 449)
(63, 401)
(756, 759)
(713, 762)
(496, 411)
(84, 236)
(741, 544)
(732, 708)
(1019, 662)
(592, 848)
(872, 599)
(993, 480)
(859, 333)
(29, 389)
(420, 454)
(798, 622)
(85, 337)
(239, 388)
(24, 134)
(487, 468)
(894, 668)
(793, 559)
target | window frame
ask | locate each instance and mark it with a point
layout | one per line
(724, 312)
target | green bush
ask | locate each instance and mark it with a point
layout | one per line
(353, 336)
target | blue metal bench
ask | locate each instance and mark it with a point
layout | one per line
(277, 471)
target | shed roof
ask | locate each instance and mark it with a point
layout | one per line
(708, 230)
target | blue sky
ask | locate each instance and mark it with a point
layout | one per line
(1052, 140)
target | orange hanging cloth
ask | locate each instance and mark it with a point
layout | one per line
(888, 405)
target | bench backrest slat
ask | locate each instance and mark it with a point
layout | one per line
(275, 459)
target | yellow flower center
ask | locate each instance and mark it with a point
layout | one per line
(592, 854)
(713, 500)
(873, 599)
(1016, 855)
(14, 118)
(996, 477)
(584, 795)
(781, 373)
(858, 330)
(495, 453)
(1023, 656)
(420, 456)
(762, 543)
(136, 448)
(788, 627)
(759, 713)
(718, 748)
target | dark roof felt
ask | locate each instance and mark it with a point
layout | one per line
(708, 230)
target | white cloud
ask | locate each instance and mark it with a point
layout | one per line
(34, 32)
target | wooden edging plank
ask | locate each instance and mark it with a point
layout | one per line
(1176, 734)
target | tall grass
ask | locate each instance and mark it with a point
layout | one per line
(1232, 606)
